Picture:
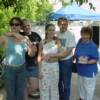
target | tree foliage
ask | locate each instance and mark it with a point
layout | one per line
(34, 10)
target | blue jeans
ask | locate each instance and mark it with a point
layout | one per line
(15, 79)
(65, 72)
(32, 71)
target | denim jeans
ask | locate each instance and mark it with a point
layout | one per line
(15, 82)
(32, 71)
(65, 72)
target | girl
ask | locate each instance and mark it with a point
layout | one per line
(48, 65)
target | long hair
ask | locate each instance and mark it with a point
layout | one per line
(46, 28)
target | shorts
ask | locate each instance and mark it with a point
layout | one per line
(32, 71)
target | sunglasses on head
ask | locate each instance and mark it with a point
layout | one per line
(14, 24)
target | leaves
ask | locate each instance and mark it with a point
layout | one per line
(91, 6)
(44, 8)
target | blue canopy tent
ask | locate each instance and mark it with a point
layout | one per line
(74, 12)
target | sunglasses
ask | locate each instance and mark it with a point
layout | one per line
(14, 24)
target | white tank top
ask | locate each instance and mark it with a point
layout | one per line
(50, 48)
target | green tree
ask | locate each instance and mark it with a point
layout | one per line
(43, 9)
(34, 10)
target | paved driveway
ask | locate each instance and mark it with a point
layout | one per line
(74, 91)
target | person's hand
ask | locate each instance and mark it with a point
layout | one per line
(32, 49)
(8, 34)
(46, 57)
(83, 60)
(16, 36)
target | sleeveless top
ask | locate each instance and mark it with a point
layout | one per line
(49, 48)
(15, 52)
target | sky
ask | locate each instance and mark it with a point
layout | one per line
(96, 4)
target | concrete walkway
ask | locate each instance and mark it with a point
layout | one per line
(74, 90)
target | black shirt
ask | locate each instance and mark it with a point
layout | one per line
(35, 39)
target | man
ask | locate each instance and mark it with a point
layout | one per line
(31, 62)
(65, 63)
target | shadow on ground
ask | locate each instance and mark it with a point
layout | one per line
(74, 90)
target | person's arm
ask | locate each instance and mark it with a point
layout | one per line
(92, 61)
(10, 34)
(40, 60)
(40, 54)
(67, 50)
(94, 55)
(30, 48)
(16, 36)
(54, 57)
(64, 53)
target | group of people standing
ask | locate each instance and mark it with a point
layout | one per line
(28, 56)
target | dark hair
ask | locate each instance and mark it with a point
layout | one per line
(87, 30)
(62, 19)
(46, 27)
(17, 19)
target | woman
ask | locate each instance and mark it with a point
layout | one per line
(86, 54)
(15, 48)
(48, 66)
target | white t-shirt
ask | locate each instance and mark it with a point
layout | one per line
(67, 41)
